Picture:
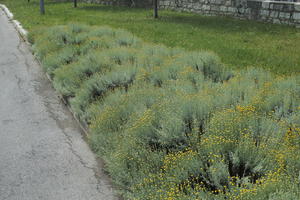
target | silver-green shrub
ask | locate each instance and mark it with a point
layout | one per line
(173, 124)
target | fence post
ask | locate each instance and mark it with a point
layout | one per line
(155, 8)
(75, 3)
(42, 7)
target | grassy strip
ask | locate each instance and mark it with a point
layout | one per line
(173, 124)
(239, 43)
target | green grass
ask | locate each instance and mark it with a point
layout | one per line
(239, 43)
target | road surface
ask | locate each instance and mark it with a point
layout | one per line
(42, 152)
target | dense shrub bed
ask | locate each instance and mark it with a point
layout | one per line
(173, 124)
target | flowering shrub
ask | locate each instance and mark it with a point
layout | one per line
(173, 124)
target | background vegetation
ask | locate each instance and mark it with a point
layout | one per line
(173, 124)
(238, 43)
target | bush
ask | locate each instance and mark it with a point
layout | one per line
(61, 57)
(69, 78)
(97, 87)
(173, 124)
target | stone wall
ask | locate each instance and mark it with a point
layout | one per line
(110, 2)
(133, 3)
(278, 12)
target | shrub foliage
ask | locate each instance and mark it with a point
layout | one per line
(173, 124)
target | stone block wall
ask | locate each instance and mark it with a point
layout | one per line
(279, 12)
(110, 2)
(133, 3)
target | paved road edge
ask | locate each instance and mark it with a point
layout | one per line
(23, 33)
(18, 26)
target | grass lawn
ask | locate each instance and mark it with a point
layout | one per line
(238, 43)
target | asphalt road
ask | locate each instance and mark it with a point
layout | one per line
(42, 152)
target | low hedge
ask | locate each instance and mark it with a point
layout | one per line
(173, 124)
